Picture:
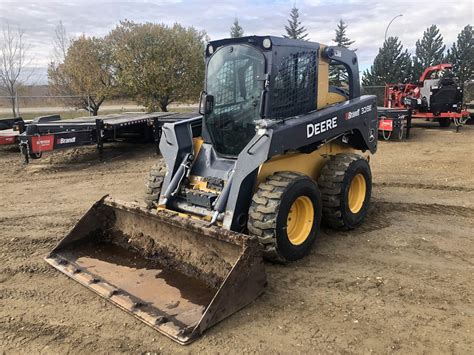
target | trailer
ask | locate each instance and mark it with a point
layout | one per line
(12, 128)
(9, 130)
(50, 133)
(8, 136)
(394, 122)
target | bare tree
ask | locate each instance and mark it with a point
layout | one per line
(61, 42)
(13, 60)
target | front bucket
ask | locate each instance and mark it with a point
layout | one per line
(174, 273)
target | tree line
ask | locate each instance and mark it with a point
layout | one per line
(393, 63)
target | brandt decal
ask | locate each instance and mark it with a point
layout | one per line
(66, 140)
(352, 114)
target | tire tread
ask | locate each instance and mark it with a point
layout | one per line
(330, 183)
(263, 211)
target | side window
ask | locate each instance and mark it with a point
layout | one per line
(294, 86)
(338, 76)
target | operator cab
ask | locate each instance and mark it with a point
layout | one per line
(250, 79)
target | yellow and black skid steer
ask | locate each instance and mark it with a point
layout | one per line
(276, 152)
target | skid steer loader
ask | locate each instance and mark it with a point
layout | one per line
(276, 152)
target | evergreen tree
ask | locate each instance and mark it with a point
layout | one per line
(429, 51)
(294, 29)
(236, 30)
(337, 73)
(391, 65)
(341, 38)
(461, 55)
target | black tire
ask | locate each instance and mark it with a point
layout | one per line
(444, 122)
(269, 212)
(153, 185)
(335, 181)
(35, 155)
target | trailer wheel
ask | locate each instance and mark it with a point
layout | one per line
(285, 215)
(346, 186)
(153, 185)
(35, 155)
(444, 122)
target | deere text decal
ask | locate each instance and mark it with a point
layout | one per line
(313, 129)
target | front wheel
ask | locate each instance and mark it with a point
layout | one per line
(285, 215)
(346, 187)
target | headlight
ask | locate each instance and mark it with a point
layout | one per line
(210, 49)
(267, 43)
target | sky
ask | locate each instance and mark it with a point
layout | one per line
(366, 20)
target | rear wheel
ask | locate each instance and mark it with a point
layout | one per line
(346, 186)
(153, 185)
(285, 215)
(444, 122)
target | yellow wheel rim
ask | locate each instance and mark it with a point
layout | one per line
(357, 192)
(300, 220)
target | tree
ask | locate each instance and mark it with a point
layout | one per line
(87, 72)
(337, 73)
(159, 64)
(461, 55)
(13, 61)
(391, 65)
(429, 51)
(236, 30)
(294, 29)
(61, 42)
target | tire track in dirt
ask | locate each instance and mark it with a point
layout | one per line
(423, 186)
(49, 296)
(424, 208)
(47, 177)
(11, 223)
(30, 268)
(53, 211)
(18, 332)
(377, 216)
(23, 245)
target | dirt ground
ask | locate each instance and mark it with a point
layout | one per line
(402, 282)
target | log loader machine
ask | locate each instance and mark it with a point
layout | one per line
(276, 152)
(437, 96)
